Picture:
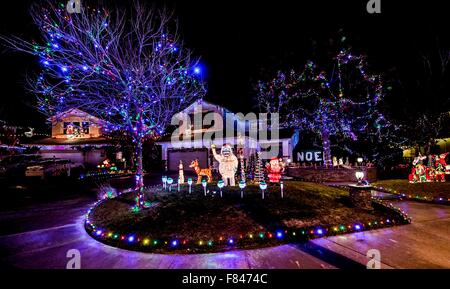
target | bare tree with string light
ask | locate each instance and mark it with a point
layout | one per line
(128, 68)
(340, 99)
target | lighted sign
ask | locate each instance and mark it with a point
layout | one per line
(310, 156)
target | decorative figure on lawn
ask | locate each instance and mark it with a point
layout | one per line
(431, 174)
(201, 172)
(422, 173)
(228, 163)
(418, 160)
(335, 162)
(440, 173)
(440, 159)
(274, 170)
(181, 172)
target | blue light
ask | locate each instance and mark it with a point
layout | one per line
(131, 239)
(98, 233)
(197, 70)
(231, 241)
(45, 62)
(357, 227)
(279, 234)
(174, 243)
(64, 69)
(85, 67)
(319, 231)
(55, 45)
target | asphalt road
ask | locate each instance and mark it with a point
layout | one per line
(39, 237)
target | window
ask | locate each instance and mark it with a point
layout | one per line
(85, 127)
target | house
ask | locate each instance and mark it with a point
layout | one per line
(75, 136)
(203, 123)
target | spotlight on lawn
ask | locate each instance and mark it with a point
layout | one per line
(204, 186)
(190, 184)
(359, 176)
(263, 187)
(281, 189)
(170, 182)
(242, 186)
(220, 184)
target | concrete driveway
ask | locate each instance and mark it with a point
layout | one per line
(39, 237)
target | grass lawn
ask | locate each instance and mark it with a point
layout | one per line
(194, 217)
(425, 191)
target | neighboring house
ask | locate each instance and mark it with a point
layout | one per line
(442, 146)
(76, 136)
(188, 143)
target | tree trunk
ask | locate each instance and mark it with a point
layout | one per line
(326, 149)
(139, 173)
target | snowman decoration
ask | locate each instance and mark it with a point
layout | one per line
(228, 163)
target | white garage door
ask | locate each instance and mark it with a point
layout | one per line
(174, 157)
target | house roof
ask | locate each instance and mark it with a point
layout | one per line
(75, 112)
(73, 141)
(283, 134)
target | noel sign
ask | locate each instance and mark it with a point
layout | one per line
(309, 156)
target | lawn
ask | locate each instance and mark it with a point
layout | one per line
(194, 217)
(436, 191)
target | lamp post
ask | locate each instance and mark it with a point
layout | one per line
(220, 184)
(170, 182)
(359, 160)
(263, 187)
(242, 186)
(281, 189)
(164, 180)
(204, 186)
(190, 184)
(359, 176)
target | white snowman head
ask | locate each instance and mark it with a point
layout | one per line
(226, 150)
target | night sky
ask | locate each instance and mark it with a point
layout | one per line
(237, 41)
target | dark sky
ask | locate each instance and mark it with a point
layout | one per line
(236, 39)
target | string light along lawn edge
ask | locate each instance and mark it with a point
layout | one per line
(140, 242)
(408, 196)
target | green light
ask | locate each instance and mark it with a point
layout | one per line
(342, 228)
(210, 243)
(261, 235)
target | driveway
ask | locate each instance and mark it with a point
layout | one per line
(39, 237)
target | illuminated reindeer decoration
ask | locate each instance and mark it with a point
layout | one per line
(201, 172)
